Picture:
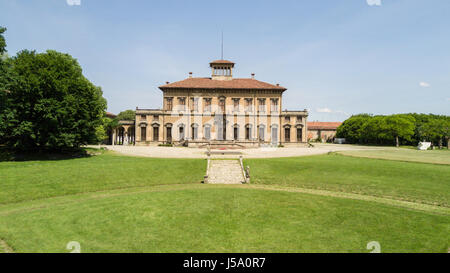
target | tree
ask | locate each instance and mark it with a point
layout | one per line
(371, 131)
(53, 106)
(2, 41)
(7, 77)
(399, 126)
(436, 129)
(126, 115)
(351, 128)
(446, 131)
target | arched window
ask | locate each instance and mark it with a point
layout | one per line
(168, 132)
(287, 133)
(155, 127)
(207, 131)
(274, 129)
(299, 129)
(261, 130)
(248, 131)
(181, 132)
(194, 128)
(236, 131)
(143, 132)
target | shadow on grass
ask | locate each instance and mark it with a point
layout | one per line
(7, 154)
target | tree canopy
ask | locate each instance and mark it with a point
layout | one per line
(2, 40)
(396, 129)
(126, 115)
(50, 104)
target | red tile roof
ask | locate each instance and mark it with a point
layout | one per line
(208, 83)
(110, 115)
(323, 125)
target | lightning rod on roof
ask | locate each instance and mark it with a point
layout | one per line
(222, 47)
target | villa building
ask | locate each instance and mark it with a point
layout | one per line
(218, 110)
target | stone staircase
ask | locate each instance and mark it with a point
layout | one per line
(225, 172)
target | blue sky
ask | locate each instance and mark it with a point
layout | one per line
(336, 58)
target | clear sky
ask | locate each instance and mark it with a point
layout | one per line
(336, 58)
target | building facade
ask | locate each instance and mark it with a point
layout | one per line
(322, 131)
(219, 110)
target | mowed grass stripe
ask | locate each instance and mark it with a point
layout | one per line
(386, 201)
(21, 181)
(402, 154)
(407, 181)
(79, 198)
(225, 220)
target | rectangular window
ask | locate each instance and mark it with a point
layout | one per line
(169, 104)
(261, 105)
(222, 105)
(299, 119)
(274, 105)
(235, 133)
(155, 117)
(236, 105)
(182, 104)
(207, 105)
(194, 104)
(143, 133)
(143, 117)
(287, 119)
(248, 105)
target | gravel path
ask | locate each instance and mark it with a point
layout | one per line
(182, 152)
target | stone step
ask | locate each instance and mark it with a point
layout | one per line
(225, 172)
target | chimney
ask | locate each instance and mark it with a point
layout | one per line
(278, 84)
(167, 82)
(253, 75)
(190, 74)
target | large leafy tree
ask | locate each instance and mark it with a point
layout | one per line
(126, 115)
(6, 79)
(351, 128)
(398, 127)
(2, 41)
(52, 105)
(446, 131)
(436, 130)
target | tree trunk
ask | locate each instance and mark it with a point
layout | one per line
(448, 143)
(396, 142)
(440, 144)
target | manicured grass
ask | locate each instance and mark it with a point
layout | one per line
(220, 219)
(41, 179)
(402, 154)
(113, 203)
(416, 182)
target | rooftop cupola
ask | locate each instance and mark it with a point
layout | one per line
(222, 70)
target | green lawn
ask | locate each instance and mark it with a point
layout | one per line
(113, 203)
(22, 181)
(402, 154)
(217, 219)
(418, 182)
